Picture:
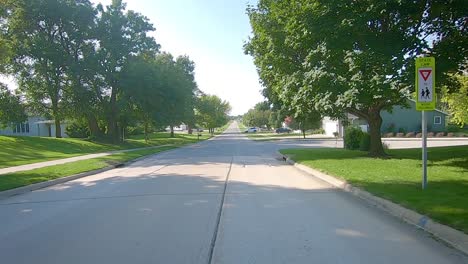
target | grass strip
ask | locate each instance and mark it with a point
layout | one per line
(15, 151)
(399, 178)
(23, 178)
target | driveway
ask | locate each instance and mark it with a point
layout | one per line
(225, 200)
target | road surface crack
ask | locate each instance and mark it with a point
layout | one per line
(218, 218)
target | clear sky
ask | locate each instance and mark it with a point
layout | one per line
(212, 34)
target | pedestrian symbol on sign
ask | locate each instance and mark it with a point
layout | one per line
(425, 80)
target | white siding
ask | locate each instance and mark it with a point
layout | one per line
(36, 128)
(330, 126)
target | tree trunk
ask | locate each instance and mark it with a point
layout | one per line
(375, 122)
(93, 126)
(112, 132)
(190, 130)
(58, 129)
(172, 131)
(55, 113)
(303, 133)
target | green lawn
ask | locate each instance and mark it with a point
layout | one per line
(399, 178)
(16, 151)
(15, 180)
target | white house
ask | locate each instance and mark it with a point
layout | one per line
(181, 127)
(34, 126)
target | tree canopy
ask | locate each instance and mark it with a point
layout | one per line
(98, 65)
(11, 109)
(212, 111)
(339, 57)
(457, 101)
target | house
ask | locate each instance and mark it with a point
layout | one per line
(405, 120)
(181, 127)
(400, 119)
(34, 126)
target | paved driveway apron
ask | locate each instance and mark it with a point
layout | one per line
(167, 209)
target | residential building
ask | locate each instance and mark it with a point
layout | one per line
(399, 119)
(34, 126)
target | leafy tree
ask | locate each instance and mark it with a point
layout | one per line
(185, 69)
(177, 83)
(305, 122)
(95, 64)
(120, 35)
(337, 57)
(262, 106)
(212, 111)
(275, 119)
(143, 92)
(457, 101)
(43, 37)
(256, 117)
(11, 108)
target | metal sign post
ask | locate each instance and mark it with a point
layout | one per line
(425, 100)
(424, 149)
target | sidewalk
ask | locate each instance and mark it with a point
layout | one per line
(38, 165)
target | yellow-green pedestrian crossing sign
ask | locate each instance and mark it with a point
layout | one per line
(425, 84)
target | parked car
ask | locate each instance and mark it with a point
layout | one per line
(283, 130)
(251, 130)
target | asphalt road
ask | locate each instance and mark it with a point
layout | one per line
(225, 200)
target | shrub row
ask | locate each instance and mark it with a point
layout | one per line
(415, 134)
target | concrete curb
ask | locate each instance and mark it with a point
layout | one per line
(42, 185)
(451, 236)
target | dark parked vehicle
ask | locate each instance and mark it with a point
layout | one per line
(283, 130)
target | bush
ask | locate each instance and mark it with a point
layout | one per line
(352, 137)
(77, 130)
(454, 128)
(364, 144)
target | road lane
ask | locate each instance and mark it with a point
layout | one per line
(158, 210)
(164, 209)
(273, 214)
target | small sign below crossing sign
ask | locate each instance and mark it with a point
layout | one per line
(425, 84)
